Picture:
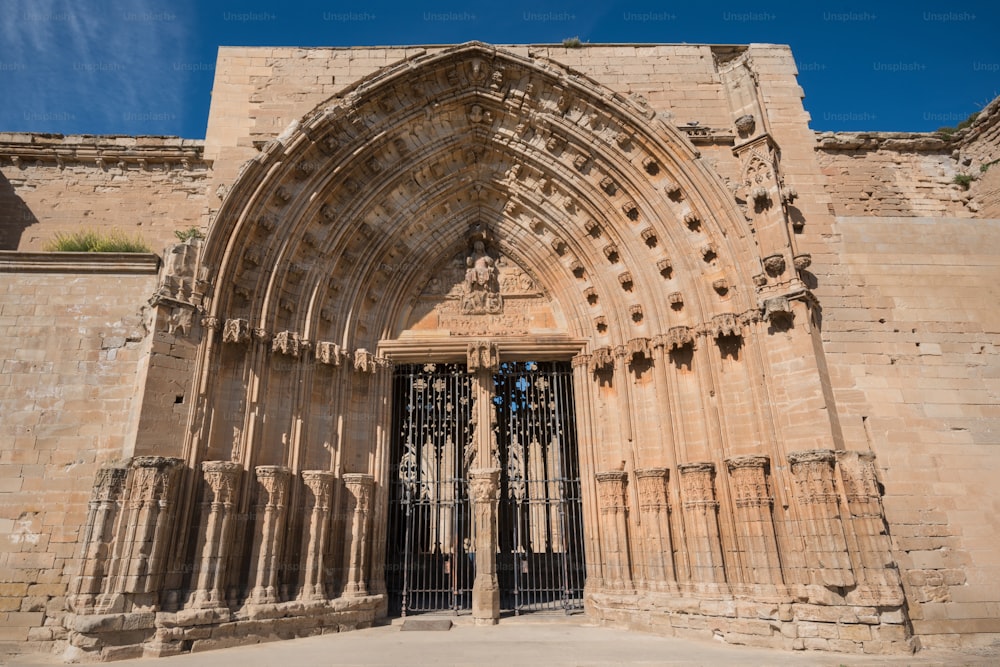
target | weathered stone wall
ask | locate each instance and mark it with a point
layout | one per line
(912, 338)
(71, 346)
(143, 186)
(892, 174)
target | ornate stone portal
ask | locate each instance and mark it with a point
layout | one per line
(534, 215)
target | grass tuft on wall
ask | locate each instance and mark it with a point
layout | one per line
(91, 241)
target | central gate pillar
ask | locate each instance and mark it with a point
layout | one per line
(485, 484)
(483, 360)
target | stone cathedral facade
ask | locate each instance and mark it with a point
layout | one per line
(485, 330)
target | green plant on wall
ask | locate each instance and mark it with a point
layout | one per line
(964, 180)
(92, 241)
(189, 233)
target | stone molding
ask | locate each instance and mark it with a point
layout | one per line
(102, 151)
(14, 261)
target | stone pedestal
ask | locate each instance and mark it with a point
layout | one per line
(484, 486)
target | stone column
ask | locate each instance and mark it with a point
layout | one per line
(614, 529)
(319, 485)
(654, 508)
(268, 533)
(701, 522)
(215, 537)
(359, 497)
(583, 390)
(868, 527)
(754, 526)
(484, 486)
(827, 560)
(105, 500)
(483, 360)
(137, 562)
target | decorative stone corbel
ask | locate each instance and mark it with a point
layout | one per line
(287, 343)
(602, 359)
(774, 265)
(236, 331)
(329, 353)
(725, 324)
(364, 361)
(778, 310)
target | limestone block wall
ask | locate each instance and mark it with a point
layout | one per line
(144, 186)
(912, 338)
(71, 344)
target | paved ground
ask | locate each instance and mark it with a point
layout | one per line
(550, 642)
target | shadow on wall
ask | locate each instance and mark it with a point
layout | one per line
(15, 216)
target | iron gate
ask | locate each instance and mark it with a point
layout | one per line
(430, 559)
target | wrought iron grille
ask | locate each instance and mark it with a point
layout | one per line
(430, 563)
(540, 564)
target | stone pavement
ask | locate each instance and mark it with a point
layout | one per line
(551, 641)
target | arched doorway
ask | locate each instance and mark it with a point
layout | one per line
(476, 207)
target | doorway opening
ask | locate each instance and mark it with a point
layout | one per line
(430, 558)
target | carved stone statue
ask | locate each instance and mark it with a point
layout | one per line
(482, 287)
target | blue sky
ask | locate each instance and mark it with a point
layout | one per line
(146, 66)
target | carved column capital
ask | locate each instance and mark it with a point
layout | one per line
(274, 481)
(858, 472)
(108, 485)
(580, 360)
(611, 489)
(484, 484)
(320, 483)
(813, 472)
(483, 355)
(287, 343)
(221, 477)
(652, 488)
(329, 353)
(360, 485)
(697, 484)
(152, 478)
(749, 478)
